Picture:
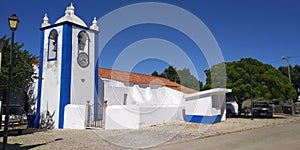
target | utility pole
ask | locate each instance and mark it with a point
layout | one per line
(289, 73)
(251, 96)
(1, 46)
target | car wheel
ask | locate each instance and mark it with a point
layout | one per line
(270, 115)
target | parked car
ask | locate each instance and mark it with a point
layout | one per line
(232, 109)
(262, 109)
(17, 118)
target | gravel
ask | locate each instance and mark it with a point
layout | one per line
(135, 139)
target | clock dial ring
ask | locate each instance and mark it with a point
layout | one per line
(83, 60)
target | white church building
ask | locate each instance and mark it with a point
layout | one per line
(72, 81)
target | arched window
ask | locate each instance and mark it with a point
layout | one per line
(52, 45)
(83, 57)
(83, 42)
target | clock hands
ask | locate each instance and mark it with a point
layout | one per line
(83, 60)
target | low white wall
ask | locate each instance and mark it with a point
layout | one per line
(140, 94)
(122, 117)
(206, 107)
(151, 115)
(220, 100)
(74, 117)
(200, 106)
(134, 117)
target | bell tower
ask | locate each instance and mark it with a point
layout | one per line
(68, 66)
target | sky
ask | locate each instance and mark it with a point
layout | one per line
(262, 29)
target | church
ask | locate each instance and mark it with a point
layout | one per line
(76, 93)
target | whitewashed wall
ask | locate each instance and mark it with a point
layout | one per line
(122, 117)
(206, 106)
(51, 73)
(199, 106)
(145, 105)
(152, 115)
(140, 94)
(135, 117)
(220, 99)
(74, 116)
(82, 79)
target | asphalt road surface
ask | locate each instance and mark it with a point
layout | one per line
(280, 137)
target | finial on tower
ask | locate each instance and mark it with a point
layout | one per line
(71, 17)
(67, 12)
(71, 9)
(45, 21)
(94, 25)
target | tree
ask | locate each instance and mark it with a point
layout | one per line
(268, 82)
(183, 77)
(295, 75)
(22, 69)
(188, 80)
(171, 74)
(155, 73)
(162, 75)
(216, 77)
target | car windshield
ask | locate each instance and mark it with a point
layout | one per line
(13, 110)
(261, 105)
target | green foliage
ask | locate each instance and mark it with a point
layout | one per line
(22, 69)
(188, 80)
(162, 75)
(155, 73)
(295, 75)
(171, 74)
(267, 82)
(183, 77)
(216, 77)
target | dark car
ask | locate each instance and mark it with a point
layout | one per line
(17, 118)
(262, 109)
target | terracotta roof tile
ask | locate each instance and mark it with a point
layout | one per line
(137, 78)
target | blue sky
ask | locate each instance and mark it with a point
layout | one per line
(262, 29)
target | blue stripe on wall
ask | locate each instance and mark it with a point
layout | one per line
(203, 119)
(96, 78)
(66, 64)
(39, 94)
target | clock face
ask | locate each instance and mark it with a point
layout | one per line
(83, 60)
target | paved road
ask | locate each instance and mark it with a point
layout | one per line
(281, 137)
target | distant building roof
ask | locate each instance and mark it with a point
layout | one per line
(137, 78)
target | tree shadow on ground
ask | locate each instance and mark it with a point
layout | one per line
(24, 132)
(262, 117)
(18, 146)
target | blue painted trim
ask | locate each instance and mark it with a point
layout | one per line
(66, 64)
(39, 94)
(69, 23)
(48, 52)
(96, 76)
(203, 119)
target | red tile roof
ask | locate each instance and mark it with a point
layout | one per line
(137, 78)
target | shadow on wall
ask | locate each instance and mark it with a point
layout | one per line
(32, 99)
(47, 121)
